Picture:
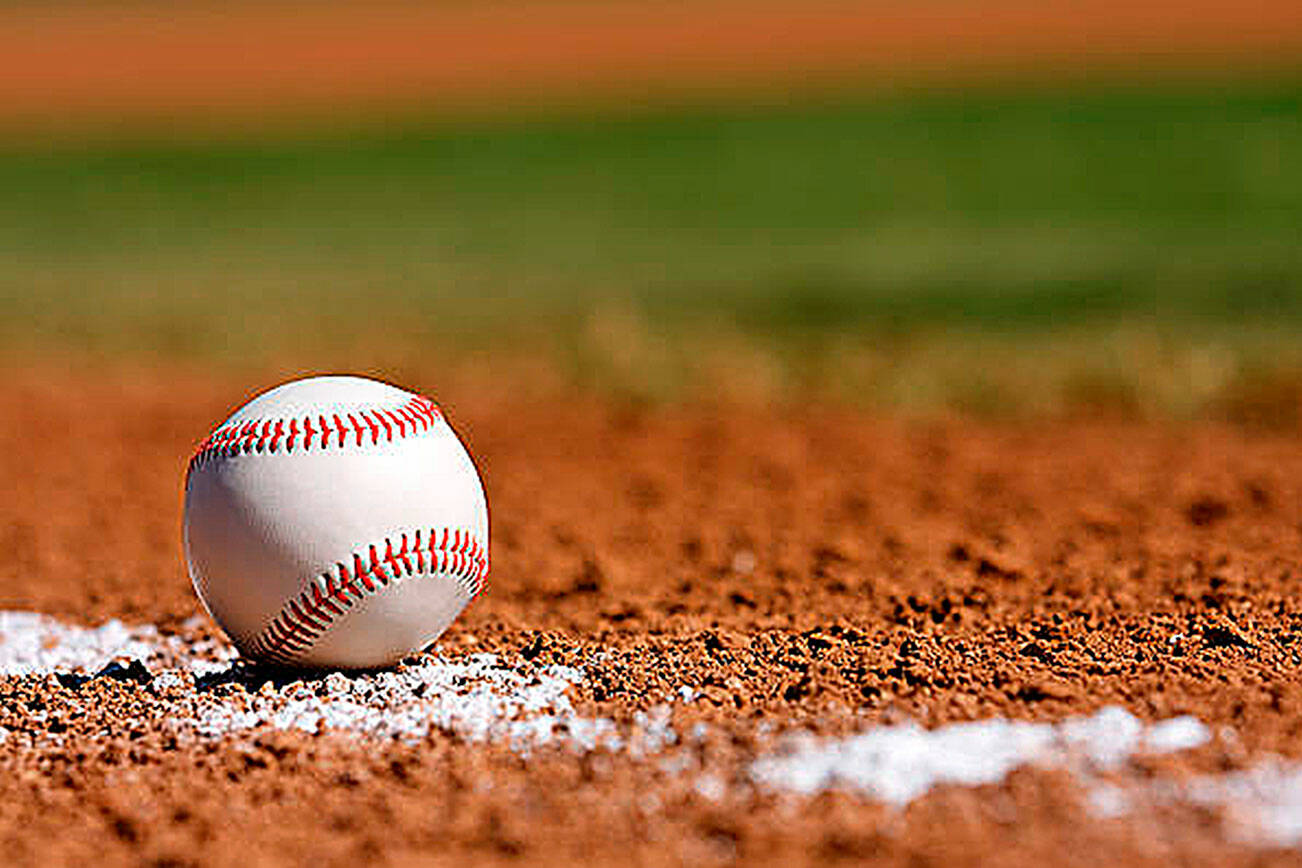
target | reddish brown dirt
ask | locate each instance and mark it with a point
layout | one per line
(942, 571)
(76, 65)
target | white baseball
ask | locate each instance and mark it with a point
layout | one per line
(335, 522)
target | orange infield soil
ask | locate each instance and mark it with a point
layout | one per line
(68, 65)
(806, 568)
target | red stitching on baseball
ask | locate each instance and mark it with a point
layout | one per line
(391, 419)
(271, 435)
(374, 426)
(306, 617)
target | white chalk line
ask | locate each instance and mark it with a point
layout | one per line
(475, 698)
(897, 764)
(480, 700)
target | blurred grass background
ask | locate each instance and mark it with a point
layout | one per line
(997, 249)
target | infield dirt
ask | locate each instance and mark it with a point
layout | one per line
(796, 568)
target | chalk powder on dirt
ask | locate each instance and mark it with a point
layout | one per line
(481, 700)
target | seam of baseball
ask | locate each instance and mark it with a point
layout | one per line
(451, 552)
(288, 434)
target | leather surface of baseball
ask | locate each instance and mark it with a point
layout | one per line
(335, 522)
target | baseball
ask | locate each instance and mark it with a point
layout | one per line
(335, 522)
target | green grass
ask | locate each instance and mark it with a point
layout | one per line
(884, 248)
